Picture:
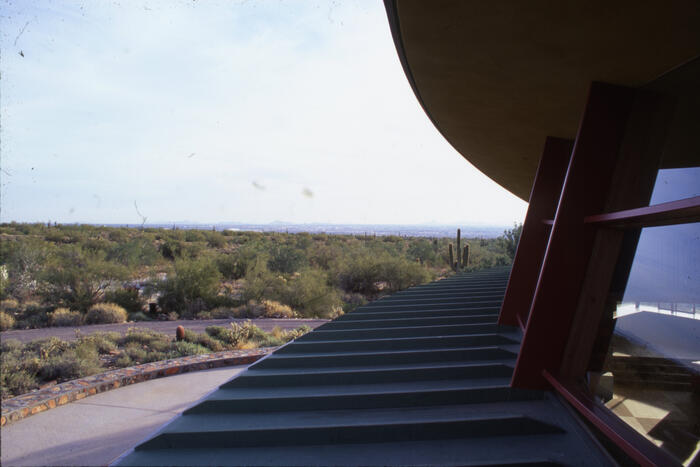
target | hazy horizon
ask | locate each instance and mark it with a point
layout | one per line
(221, 110)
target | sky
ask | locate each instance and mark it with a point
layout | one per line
(222, 111)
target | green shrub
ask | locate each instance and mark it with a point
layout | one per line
(9, 305)
(123, 361)
(223, 313)
(183, 349)
(129, 299)
(139, 316)
(286, 259)
(105, 313)
(310, 294)
(194, 281)
(71, 364)
(7, 321)
(65, 317)
(102, 342)
(204, 340)
(266, 309)
(14, 383)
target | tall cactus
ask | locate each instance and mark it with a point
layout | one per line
(459, 249)
(452, 256)
(465, 255)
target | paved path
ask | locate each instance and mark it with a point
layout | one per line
(168, 327)
(96, 430)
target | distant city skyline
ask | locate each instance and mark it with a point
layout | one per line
(222, 111)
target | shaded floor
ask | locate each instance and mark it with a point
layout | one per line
(96, 430)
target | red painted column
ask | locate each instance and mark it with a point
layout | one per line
(585, 190)
(533, 239)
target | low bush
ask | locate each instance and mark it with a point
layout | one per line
(9, 305)
(139, 316)
(7, 321)
(129, 299)
(105, 313)
(265, 309)
(205, 340)
(223, 313)
(65, 317)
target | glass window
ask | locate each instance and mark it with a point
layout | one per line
(675, 184)
(652, 367)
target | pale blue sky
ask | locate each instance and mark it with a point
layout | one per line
(222, 111)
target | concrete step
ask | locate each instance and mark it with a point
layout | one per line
(360, 315)
(403, 331)
(385, 374)
(403, 322)
(357, 430)
(370, 396)
(401, 343)
(369, 359)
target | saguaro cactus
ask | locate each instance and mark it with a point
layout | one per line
(452, 256)
(459, 249)
(465, 255)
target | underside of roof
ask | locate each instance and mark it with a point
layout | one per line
(421, 377)
(497, 78)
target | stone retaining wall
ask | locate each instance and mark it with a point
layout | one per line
(40, 400)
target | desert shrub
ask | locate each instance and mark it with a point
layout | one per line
(7, 321)
(129, 299)
(143, 336)
(81, 361)
(194, 236)
(137, 353)
(204, 340)
(220, 300)
(286, 259)
(238, 335)
(193, 282)
(103, 342)
(184, 348)
(137, 252)
(265, 309)
(139, 316)
(223, 313)
(123, 361)
(400, 273)
(65, 317)
(363, 274)
(9, 305)
(310, 294)
(33, 315)
(105, 313)
(14, 383)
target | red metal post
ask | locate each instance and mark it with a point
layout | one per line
(533, 239)
(586, 186)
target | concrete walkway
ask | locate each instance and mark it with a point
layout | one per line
(167, 327)
(96, 430)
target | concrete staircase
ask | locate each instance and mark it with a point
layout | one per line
(419, 378)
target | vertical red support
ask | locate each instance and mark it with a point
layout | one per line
(585, 191)
(533, 239)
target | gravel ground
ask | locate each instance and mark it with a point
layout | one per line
(168, 327)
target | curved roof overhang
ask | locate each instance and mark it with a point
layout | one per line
(497, 78)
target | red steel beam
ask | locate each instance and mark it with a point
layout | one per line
(533, 239)
(585, 191)
(674, 212)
